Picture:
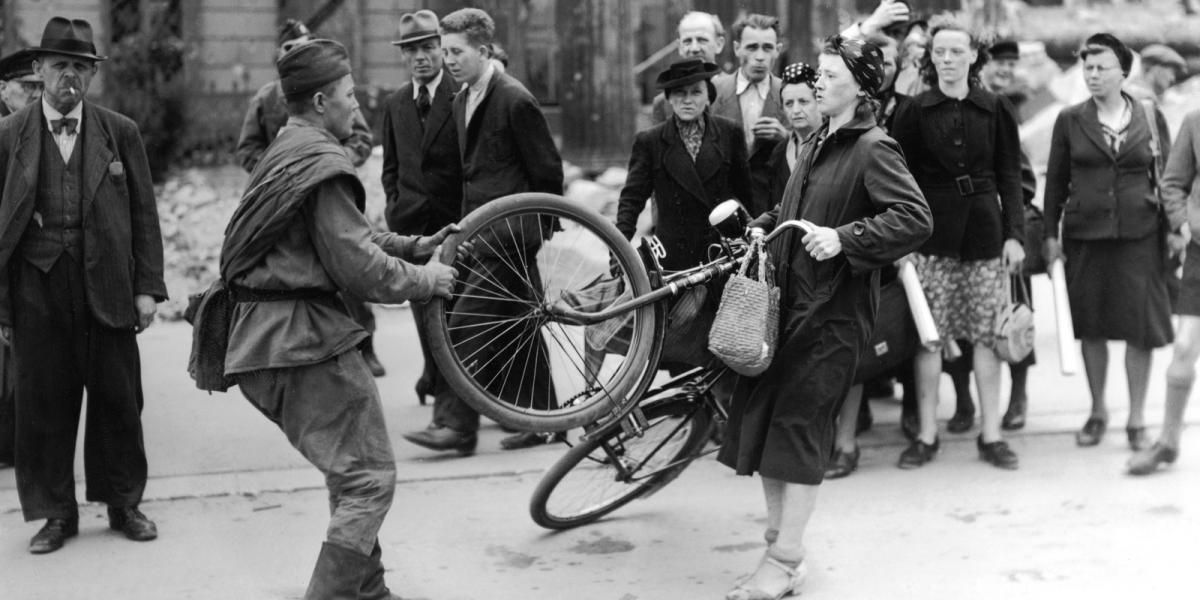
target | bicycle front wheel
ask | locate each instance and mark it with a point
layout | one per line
(612, 468)
(499, 346)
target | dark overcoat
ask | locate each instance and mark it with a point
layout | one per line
(507, 147)
(856, 182)
(684, 191)
(422, 169)
(122, 244)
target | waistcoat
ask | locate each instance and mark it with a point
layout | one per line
(58, 208)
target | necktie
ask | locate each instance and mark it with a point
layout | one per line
(67, 123)
(423, 103)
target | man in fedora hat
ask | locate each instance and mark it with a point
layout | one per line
(297, 237)
(505, 146)
(81, 269)
(19, 85)
(268, 113)
(422, 172)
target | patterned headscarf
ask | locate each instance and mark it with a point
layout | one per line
(799, 73)
(864, 59)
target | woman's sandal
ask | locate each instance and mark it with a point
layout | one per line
(796, 576)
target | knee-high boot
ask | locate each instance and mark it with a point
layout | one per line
(373, 587)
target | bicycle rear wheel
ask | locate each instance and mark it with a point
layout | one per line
(500, 348)
(612, 468)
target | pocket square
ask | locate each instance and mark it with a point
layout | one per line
(116, 168)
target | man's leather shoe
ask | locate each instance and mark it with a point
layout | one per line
(529, 439)
(997, 453)
(1092, 432)
(53, 534)
(130, 521)
(436, 437)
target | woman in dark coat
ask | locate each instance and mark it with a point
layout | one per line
(962, 144)
(852, 183)
(1098, 182)
(690, 163)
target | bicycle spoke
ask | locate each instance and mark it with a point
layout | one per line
(466, 359)
(491, 278)
(492, 326)
(507, 372)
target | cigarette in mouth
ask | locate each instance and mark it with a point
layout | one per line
(71, 90)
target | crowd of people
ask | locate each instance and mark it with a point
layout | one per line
(900, 145)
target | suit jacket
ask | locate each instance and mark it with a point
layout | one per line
(684, 192)
(1096, 193)
(422, 172)
(507, 147)
(727, 105)
(122, 245)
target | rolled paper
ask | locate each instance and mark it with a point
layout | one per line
(1068, 356)
(918, 305)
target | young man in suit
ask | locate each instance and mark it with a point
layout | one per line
(422, 171)
(750, 98)
(81, 270)
(265, 116)
(506, 148)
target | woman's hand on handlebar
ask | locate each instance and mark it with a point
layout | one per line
(822, 243)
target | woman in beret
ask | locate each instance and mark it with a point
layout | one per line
(1099, 185)
(851, 182)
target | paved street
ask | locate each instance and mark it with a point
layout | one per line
(241, 515)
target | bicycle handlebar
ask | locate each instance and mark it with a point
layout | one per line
(683, 280)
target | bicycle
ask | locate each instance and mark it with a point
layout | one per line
(556, 324)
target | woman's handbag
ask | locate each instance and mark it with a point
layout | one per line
(1014, 323)
(746, 328)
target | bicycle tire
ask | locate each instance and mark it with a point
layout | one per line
(564, 227)
(552, 511)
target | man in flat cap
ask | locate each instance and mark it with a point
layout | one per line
(267, 113)
(19, 85)
(81, 269)
(1162, 67)
(297, 238)
(422, 172)
(506, 148)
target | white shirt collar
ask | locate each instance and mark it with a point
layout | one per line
(432, 86)
(481, 85)
(52, 114)
(763, 87)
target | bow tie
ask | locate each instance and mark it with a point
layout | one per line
(67, 123)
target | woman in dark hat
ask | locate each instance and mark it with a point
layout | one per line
(852, 183)
(962, 144)
(690, 163)
(1099, 184)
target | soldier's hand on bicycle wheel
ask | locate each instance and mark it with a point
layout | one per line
(427, 245)
(443, 278)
